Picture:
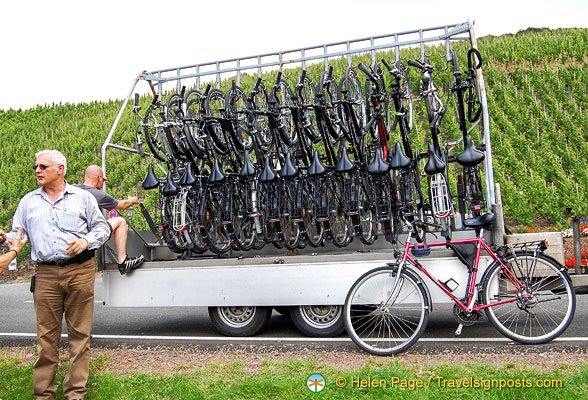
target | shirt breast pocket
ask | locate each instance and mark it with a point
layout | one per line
(69, 220)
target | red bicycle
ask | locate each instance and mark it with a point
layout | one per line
(527, 295)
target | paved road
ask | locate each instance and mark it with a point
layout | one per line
(177, 326)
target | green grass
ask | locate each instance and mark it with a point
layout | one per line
(287, 380)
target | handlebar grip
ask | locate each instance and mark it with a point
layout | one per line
(455, 62)
(183, 91)
(368, 73)
(330, 73)
(136, 100)
(416, 64)
(257, 83)
(388, 66)
(207, 90)
(155, 97)
(303, 77)
(279, 77)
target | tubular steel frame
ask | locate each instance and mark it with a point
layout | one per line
(300, 56)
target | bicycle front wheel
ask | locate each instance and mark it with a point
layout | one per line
(385, 313)
(542, 297)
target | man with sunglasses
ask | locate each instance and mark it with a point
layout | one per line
(64, 226)
(94, 179)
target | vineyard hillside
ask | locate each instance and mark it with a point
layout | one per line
(537, 88)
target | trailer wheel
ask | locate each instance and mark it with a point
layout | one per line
(318, 321)
(239, 320)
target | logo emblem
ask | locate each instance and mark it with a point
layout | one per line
(315, 383)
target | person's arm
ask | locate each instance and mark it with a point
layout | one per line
(14, 248)
(126, 203)
(98, 229)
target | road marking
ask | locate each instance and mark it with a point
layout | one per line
(288, 339)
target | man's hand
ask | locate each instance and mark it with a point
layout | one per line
(2, 236)
(133, 199)
(76, 246)
(19, 241)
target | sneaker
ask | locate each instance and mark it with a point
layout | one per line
(130, 264)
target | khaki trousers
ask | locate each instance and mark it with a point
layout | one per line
(63, 290)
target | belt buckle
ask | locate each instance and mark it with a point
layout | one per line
(61, 262)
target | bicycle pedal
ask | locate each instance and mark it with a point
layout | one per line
(458, 330)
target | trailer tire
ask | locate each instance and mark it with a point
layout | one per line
(239, 320)
(318, 321)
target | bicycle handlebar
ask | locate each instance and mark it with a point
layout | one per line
(388, 66)
(330, 73)
(368, 73)
(416, 64)
(470, 58)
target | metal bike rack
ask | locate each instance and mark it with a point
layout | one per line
(258, 64)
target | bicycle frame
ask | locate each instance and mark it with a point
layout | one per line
(472, 287)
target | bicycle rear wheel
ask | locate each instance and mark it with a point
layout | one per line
(155, 135)
(541, 309)
(383, 322)
(236, 102)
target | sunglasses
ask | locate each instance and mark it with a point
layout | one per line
(43, 166)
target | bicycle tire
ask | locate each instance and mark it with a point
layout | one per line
(194, 113)
(384, 323)
(337, 217)
(259, 107)
(284, 98)
(178, 239)
(154, 134)
(214, 107)
(352, 84)
(541, 316)
(291, 232)
(367, 219)
(212, 229)
(192, 226)
(243, 224)
(236, 101)
(315, 231)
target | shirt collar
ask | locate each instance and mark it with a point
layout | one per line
(68, 190)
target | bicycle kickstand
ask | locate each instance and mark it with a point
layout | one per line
(458, 330)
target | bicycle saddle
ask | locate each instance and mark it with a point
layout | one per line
(188, 178)
(268, 174)
(378, 167)
(345, 164)
(470, 156)
(248, 170)
(217, 175)
(151, 181)
(482, 221)
(399, 160)
(316, 166)
(170, 188)
(435, 165)
(289, 170)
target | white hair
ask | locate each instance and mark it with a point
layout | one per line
(56, 156)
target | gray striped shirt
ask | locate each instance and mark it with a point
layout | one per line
(50, 226)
